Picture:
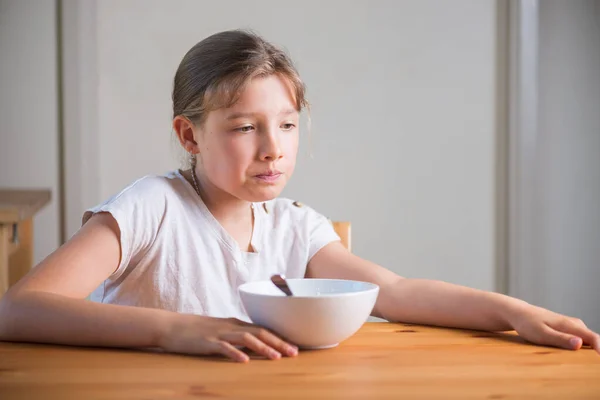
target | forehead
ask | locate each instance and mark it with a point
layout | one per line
(271, 95)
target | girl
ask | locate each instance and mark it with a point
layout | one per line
(162, 260)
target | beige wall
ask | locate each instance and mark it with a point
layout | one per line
(28, 109)
(404, 101)
(403, 97)
(569, 159)
(80, 99)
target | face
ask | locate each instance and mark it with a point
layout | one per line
(249, 150)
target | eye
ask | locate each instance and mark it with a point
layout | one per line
(288, 126)
(245, 129)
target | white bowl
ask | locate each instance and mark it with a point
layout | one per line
(321, 313)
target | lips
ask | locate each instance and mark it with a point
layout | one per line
(269, 172)
(269, 176)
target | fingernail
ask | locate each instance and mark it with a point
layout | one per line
(574, 342)
(292, 351)
(274, 354)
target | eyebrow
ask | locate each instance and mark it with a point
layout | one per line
(245, 115)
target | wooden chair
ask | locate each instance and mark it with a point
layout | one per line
(343, 231)
(17, 209)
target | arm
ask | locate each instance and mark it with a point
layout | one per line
(430, 302)
(49, 306)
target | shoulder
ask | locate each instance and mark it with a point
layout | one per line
(315, 229)
(292, 210)
(148, 195)
(153, 185)
(151, 188)
(286, 205)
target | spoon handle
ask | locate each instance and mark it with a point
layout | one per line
(279, 281)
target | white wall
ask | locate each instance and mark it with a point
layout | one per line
(28, 109)
(569, 158)
(80, 99)
(404, 100)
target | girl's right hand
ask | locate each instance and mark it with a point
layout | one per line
(193, 334)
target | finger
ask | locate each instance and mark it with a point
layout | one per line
(275, 342)
(577, 328)
(552, 337)
(596, 342)
(226, 349)
(239, 322)
(268, 338)
(253, 343)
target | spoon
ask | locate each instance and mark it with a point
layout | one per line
(279, 281)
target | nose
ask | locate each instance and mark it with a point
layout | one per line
(270, 149)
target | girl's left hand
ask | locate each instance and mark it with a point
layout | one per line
(545, 327)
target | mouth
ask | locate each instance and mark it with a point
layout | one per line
(269, 176)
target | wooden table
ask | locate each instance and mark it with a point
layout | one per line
(381, 361)
(17, 209)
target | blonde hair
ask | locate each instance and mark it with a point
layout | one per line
(214, 73)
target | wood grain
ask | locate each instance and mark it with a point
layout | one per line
(17, 210)
(381, 361)
(343, 229)
(5, 250)
(21, 204)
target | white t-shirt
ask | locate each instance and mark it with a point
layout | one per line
(176, 256)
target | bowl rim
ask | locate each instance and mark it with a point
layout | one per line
(371, 288)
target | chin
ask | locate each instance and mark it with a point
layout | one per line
(264, 194)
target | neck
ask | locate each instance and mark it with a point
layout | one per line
(222, 205)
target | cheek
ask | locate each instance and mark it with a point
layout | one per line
(226, 157)
(289, 145)
(238, 153)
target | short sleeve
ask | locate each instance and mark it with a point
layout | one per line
(320, 230)
(138, 210)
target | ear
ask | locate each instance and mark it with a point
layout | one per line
(185, 133)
